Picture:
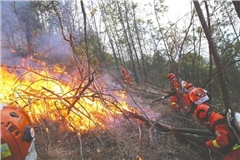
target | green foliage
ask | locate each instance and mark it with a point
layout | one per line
(194, 68)
(96, 51)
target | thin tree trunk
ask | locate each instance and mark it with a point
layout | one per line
(182, 45)
(129, 45)
(102, 8)
(237, 6)
(216, 56)
(131, 38)
(166, 45)
(210, 50)
(118, 45)
(145, 75)
(231, 21)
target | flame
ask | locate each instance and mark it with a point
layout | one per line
(50, 92)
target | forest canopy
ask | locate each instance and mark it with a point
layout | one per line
(133, 35)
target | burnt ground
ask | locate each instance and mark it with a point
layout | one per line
(128, 138)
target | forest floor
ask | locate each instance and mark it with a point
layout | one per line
(129, 138)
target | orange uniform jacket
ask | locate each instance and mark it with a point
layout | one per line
(224, 138)
(179, 101)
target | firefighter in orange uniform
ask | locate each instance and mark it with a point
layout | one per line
(194, 95)
(126, 75)
(186, 88)
(175, 86)
(177, 100)
(17, 135)
(225, 139)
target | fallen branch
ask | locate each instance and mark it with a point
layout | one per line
(167, 128)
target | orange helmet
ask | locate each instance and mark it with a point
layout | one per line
(202, 112)
(198, 96)
(189, 86)
(171, 76)
(16, 133)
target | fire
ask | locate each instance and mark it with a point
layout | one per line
(51, 93)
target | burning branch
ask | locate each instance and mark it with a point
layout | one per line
(78, 94)
(79, 103)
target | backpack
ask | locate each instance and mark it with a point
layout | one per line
(233, 122)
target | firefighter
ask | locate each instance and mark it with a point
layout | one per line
(126, 75)
(177, 100)
(17, 135)
(225, 140)
(174, 98)
(194, 95)
(186, 88)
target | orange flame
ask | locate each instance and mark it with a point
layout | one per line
(43, 95)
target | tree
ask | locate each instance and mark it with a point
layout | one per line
(28, 17)
(237, 7)
(126, 36)
(215, 56)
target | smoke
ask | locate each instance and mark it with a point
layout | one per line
(14, 33)
(112, 86)
(52, 45)
(10, 58)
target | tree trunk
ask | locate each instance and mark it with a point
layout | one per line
(145, 75)
(237, 6)
(131, 38)
(100, 54)
(129, 45)
(210, 50)
(215, 55)
(102, 8)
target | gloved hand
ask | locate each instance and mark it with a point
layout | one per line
(208, 144)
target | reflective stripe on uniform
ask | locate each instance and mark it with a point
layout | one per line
(201, 100)
(173, 103)
(5, 151)
(236, 146)
(215, 144)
